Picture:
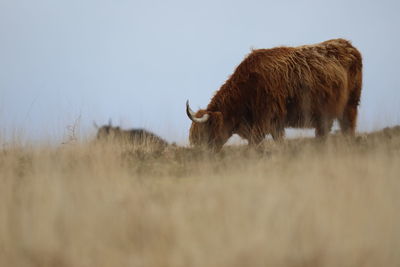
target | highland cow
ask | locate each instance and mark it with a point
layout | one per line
(136, 136)
(301, 87)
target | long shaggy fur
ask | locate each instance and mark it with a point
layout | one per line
(136, 136)
(303, 87)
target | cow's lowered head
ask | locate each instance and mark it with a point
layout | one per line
(207, 129)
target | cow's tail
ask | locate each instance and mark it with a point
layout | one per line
(355, 81)
(349, 117)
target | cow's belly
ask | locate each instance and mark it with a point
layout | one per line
(299, 117)
(301, 122)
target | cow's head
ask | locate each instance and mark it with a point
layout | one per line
(207, 129)
(107, 131)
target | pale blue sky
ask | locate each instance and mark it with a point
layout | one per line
(138, 61)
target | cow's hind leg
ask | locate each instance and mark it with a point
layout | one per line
(323, 127)
(348, 120)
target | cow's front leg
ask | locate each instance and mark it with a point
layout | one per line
(256, 137)
(278, 135)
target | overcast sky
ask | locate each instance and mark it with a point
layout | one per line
(137, 62)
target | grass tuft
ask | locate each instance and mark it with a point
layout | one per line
(302, 202)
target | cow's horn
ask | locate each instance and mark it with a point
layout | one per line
(192, 116)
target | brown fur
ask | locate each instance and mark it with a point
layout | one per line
(301, 87)
(134, 136)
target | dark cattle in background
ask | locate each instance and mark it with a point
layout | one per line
(135, 136)
(301, 87)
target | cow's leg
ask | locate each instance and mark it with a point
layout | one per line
(278, 134)
(256, 137)
(349, 119)
(323, 127)
(254, 141)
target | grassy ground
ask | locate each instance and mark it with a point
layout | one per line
(300, 203)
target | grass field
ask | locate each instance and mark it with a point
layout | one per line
(299, 203)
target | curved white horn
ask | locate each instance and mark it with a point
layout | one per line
(191, 114)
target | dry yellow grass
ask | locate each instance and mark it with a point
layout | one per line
(300, 203)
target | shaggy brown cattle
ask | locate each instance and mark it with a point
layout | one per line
(134, 136)
(301, 87)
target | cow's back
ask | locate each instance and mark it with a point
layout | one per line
(145, 137)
